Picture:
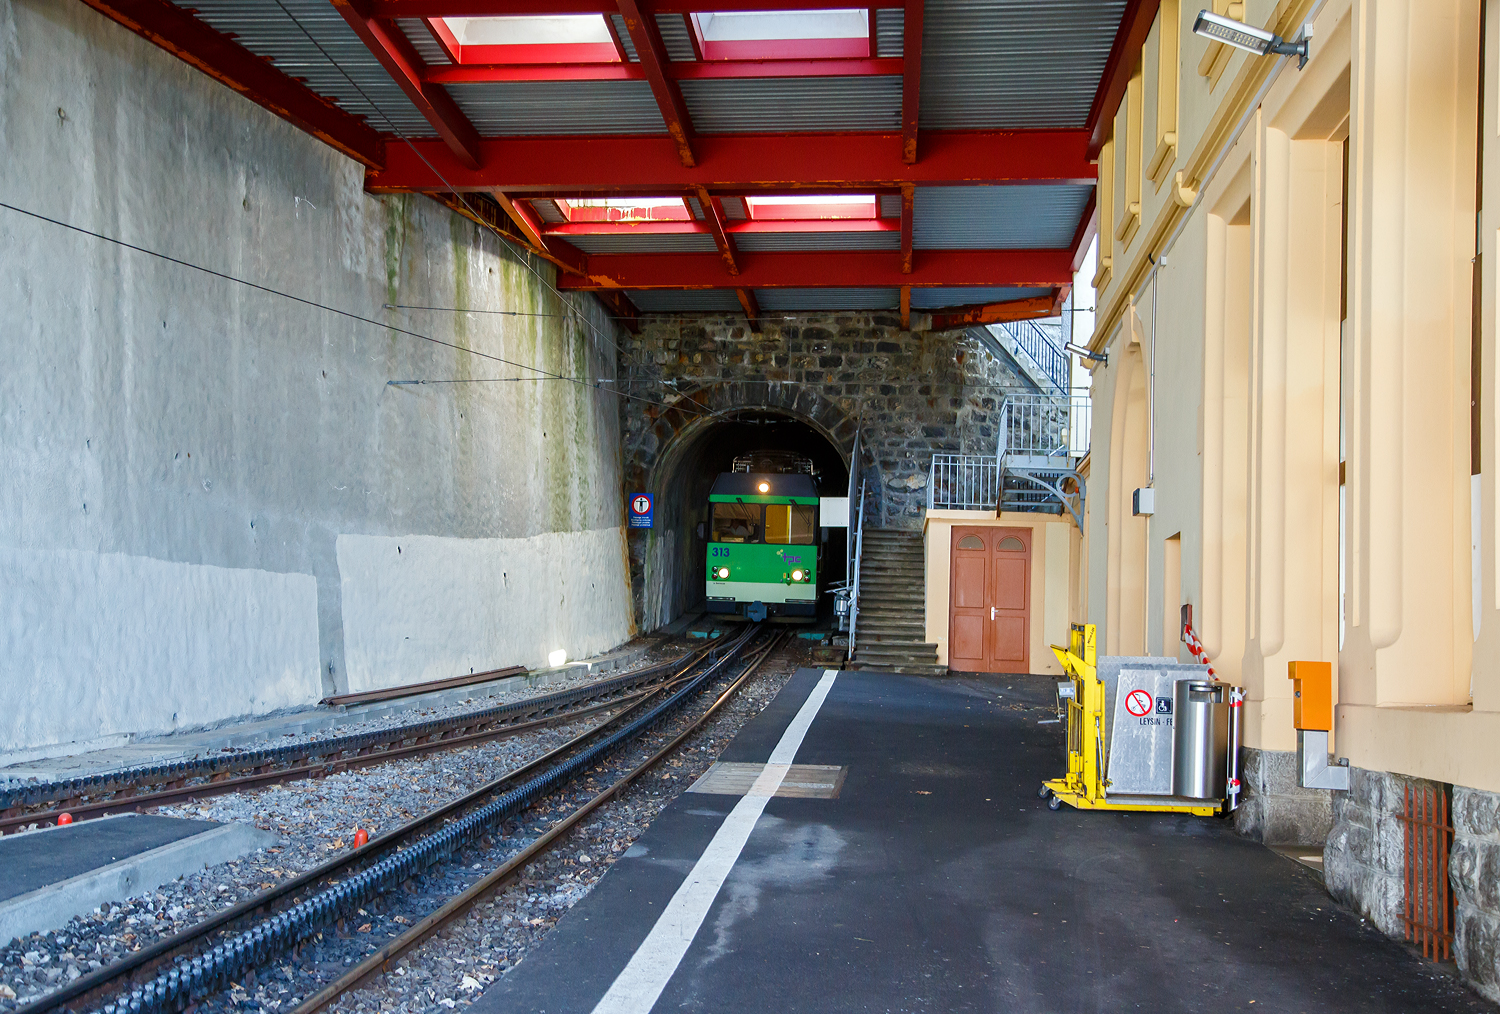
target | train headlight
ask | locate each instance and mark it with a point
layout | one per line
(764, 487)
(721, 573)
(797, 575)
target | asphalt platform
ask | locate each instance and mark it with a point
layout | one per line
(937, 880)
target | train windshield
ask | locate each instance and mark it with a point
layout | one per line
(736, 522)
(789, 524)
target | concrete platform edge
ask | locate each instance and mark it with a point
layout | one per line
(52, 906)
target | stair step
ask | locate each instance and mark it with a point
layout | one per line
(903, 669)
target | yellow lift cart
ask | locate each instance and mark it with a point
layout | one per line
(1086, 784)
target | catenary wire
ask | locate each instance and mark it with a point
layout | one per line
(547, 374)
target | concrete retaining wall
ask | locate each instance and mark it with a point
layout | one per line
(201, 480)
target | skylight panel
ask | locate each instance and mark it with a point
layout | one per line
(813, 207)
(625, 209)
(773, 35)
(553, 38)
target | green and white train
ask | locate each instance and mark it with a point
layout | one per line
(763, 541)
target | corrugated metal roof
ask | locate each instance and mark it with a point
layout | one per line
(929, 299)
(415, 30)
(734, 207)
(560, 107)
(618, 20)
(675, 38)
(890, 205)
(1044, 216)
(548, 211)
(828, 299)
(996, 64)
(761, 241)
(695, 208)
(890, 31)
(684, 300)
(265, 30)
(689, 242)
(780, 105)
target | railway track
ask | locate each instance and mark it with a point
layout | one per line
(133, 789)
(206, 958)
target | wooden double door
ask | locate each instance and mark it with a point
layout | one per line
(989, 612)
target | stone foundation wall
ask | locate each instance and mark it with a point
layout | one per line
(1363, 860)
(1474, 873)
(1274, 809)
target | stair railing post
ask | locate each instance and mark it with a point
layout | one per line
(859, 552)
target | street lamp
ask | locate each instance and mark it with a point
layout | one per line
(1247, 37)
(1086, 353)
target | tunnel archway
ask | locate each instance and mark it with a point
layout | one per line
(695, 450)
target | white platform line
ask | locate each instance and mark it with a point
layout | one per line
(636, 989)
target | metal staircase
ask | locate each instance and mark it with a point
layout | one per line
(1041, 440)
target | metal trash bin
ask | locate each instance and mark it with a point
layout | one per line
(1200, 739)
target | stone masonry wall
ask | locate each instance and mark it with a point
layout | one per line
(1363, 860)
(1274, 809)
(915, 394)
(1474, 872)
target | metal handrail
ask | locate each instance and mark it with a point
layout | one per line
(859, 552)
(1038, 345)
(1038, 425)
(963, 482)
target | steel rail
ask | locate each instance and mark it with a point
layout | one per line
(401, 852)
(380, 961)
(68, 795)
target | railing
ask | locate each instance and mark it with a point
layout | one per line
(859, 552)
(1034, 425)
(963, 482)
(1046, 353)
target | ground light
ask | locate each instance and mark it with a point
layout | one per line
(557, 658)
(1247, 37)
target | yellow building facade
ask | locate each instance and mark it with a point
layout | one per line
(1297, 298)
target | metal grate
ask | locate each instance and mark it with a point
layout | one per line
(1429, 838)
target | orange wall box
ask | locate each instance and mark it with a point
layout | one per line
(1312, 714)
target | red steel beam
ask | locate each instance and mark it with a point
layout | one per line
(908, 202)
(740, 162)
(1134, 25)
(818, 269)
(569, 258)
(679, 71)
(911, 80)
(229, 63)
(995, 313)
(653, 56)
(906, 307)
(750, 306)
(401, 62)
(494, 8)
(713, 217)
(1088, 228)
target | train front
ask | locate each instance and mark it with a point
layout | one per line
(762, 545)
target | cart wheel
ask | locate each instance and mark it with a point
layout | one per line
(1054, 803)
(1044, 793)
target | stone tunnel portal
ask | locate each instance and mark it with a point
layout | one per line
(675, 554)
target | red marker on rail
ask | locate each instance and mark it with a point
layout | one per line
(64, 818)
(360, 837)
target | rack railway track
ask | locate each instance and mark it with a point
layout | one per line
(175, 972)
(134, 789)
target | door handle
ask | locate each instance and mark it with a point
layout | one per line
(992, 612)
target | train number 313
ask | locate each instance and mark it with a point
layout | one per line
(720, 552)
